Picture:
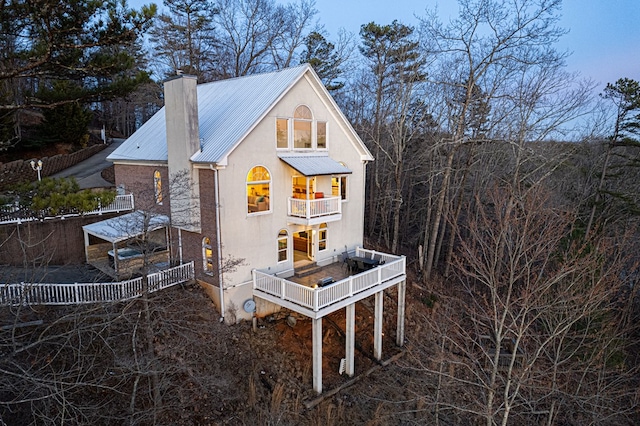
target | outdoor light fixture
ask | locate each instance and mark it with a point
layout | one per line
(37, 167)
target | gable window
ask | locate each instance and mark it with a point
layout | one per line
(321, 134)
(207, 256)
(302, 127)
(282, 133)
(283, 243)
(157, 186)
(258, 190)
(301, 131)
(322, 237)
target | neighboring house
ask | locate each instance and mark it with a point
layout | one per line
(277, 178)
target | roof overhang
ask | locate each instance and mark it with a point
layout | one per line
(127, 226)
(315, 165)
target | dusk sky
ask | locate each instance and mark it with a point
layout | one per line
(604, 35)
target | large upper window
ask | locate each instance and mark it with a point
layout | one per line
(258, 189)
(157, 186)
(302, 122)
(282, 133)
(283, 242)
(301, 131)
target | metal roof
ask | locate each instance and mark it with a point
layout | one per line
(127, 226)
(315, 165)
(227, 111)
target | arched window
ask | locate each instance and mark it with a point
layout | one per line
(157, 186)
(302, 121)
(283, 245)
(258, 190)
(301, 131)
(322, 237)
(207, 256)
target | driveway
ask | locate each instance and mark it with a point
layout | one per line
(87, 172)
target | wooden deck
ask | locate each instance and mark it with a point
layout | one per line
(337, 271)
(302, 296)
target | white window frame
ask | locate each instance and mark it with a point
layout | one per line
(207, 261)
(284, 238)
(323, 227)
(157, 186)
(258, 182)
(291, 129)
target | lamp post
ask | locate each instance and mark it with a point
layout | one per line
(37, 167)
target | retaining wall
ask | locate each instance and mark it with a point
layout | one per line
(51, 242)
(20, 171)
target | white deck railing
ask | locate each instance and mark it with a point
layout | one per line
(81, 293)
(310, 209)
(322, 297)
(14, 214)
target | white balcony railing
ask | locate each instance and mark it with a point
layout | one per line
(82, 293)
(14, 214)
(309, 209)
(316, 299)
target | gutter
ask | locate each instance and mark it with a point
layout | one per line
(216, 188)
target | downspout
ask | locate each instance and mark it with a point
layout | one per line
(180, 244)
(216, 188)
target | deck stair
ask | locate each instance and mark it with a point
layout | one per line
(306, 270)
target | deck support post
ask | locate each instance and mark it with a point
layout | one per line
(402, 291)
(377, 325)
(316, 329)
(350, 340)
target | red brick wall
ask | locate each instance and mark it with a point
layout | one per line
(139, 181)
(52, 242)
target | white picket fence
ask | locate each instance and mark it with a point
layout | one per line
(13, 214)
(83, 293)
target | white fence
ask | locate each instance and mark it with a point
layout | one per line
(321, 297)
(13, 214)
(81, 293)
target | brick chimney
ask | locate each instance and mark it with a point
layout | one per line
(183, 140)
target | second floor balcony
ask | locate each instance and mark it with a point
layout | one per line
(315, 211)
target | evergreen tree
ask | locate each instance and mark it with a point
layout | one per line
(83, 41)
(324, 59)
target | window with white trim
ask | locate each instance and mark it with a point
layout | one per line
(283, 245)
(157, 186)
(339, 186)
(322, 237)
(258, 190)
(301, 132)
(207, 256)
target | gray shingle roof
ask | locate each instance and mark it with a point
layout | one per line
(228, 110)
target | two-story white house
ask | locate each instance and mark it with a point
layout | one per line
(275, 177)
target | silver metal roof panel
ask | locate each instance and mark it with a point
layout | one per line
(315, 165)
(227, 111)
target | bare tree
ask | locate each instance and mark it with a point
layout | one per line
(534, 321)
(483, 48)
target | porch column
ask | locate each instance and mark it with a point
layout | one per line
(377, 326)
(402, 291)
(86, 246)
(316, 330)
(350, 340)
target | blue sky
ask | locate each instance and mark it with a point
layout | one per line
(603, 38)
